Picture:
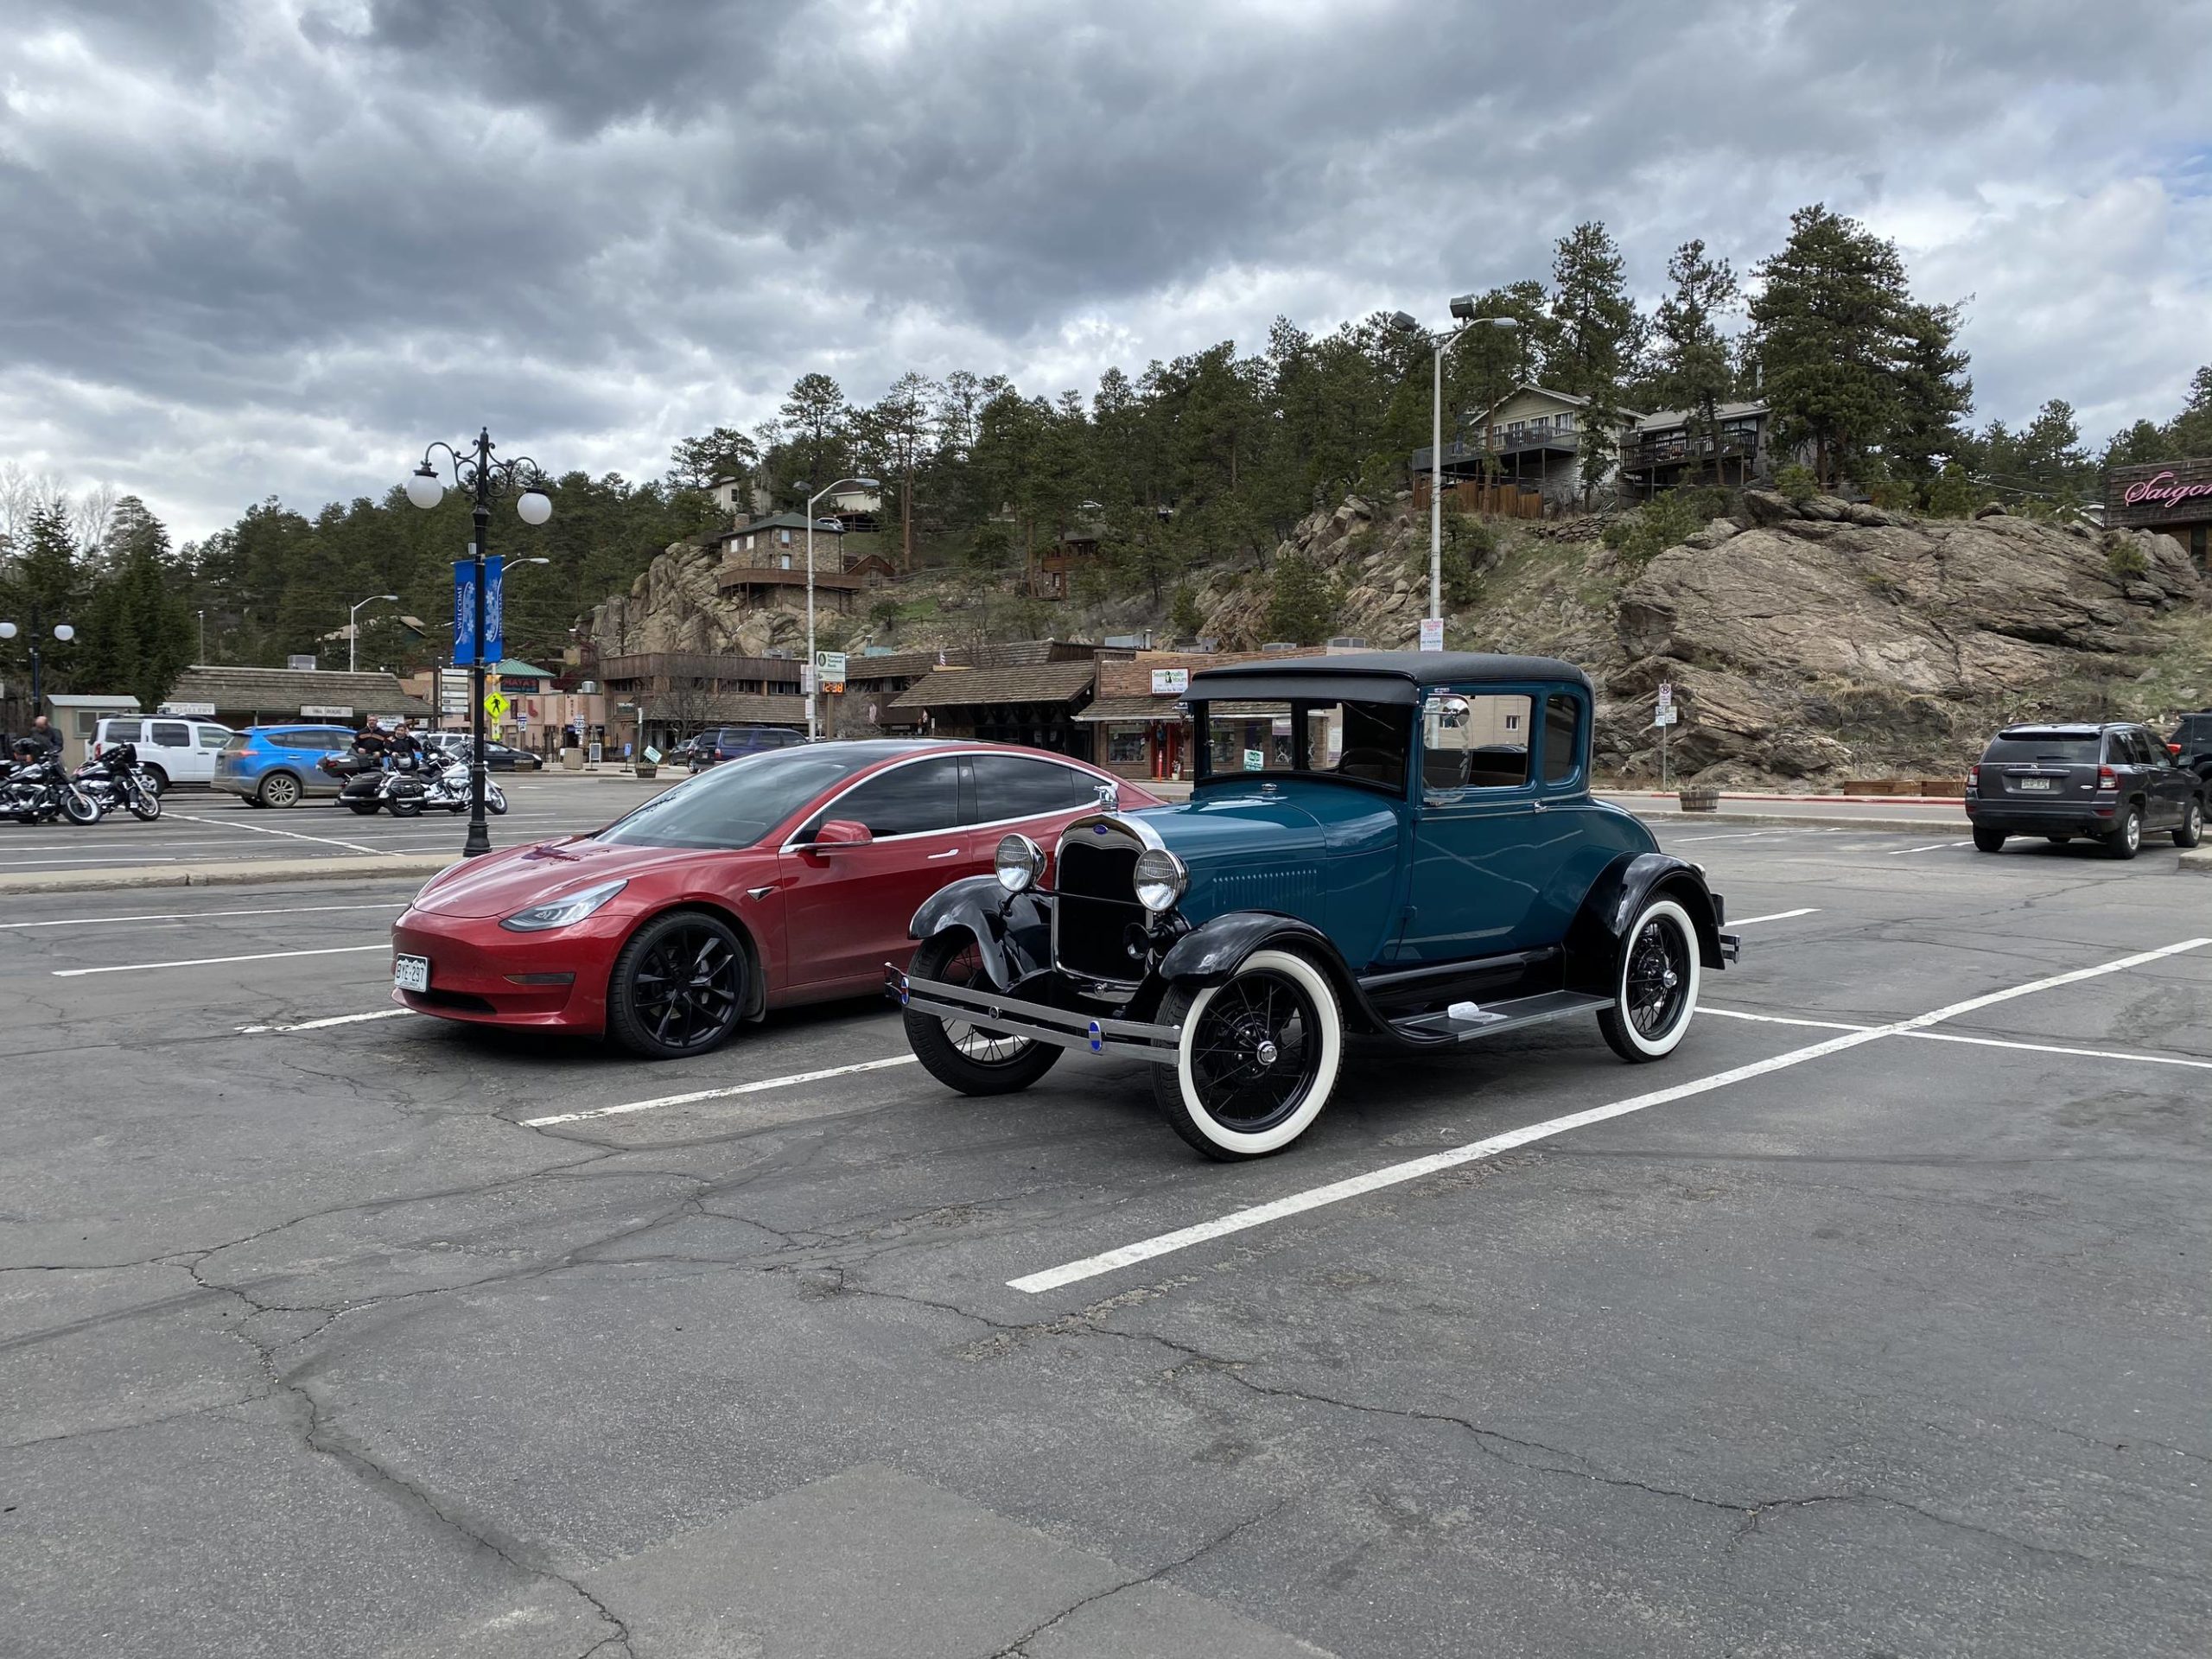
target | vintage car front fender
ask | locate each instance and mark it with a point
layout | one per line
(1212, 952)
(1014, 932)
(1600, 928)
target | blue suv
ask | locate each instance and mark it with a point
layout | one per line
(277, 765)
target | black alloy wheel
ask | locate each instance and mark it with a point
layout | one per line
(1658, 976)
(1256, 1054)
(678, 987)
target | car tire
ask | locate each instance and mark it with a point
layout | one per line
(649, 1012)
(278, 789)
(2127, 837)
(963, 1056)
(2192, 825)
(1655, 985)
(1230, 1093)
(1989, 841)
(158, 779)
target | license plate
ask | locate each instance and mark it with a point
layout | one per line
(411, 973)
(2033, 782)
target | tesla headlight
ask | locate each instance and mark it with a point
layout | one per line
(1160, 879)
(1019, 864)
(564, 912)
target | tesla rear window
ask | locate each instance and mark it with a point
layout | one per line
(2059, 748)
(735, 804)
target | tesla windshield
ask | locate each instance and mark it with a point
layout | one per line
(736, 804)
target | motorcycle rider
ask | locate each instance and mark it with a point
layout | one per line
(406, 748)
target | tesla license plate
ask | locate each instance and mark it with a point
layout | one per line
(2034, 783)
(411, 973)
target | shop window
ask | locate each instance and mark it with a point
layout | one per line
(1126, 746)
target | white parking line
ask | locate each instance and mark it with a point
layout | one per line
(210, 962)
(195, 915)
(264, 829)
(1777, 916)
(718, 1094)
(1932, 847)
(1781, 1019)
(1963, 1037)
(335, 1020)
(1414, 1169)
(1733, 835)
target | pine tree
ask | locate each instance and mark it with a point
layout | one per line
(1695, 371)
(1303, 604)
(1597, 335)
(1834, 320)
(1933, 397)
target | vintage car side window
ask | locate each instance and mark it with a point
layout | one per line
(1365, 741)
(1475, 740)
(1561, 717)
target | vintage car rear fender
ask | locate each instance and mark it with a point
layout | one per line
(1014, 934)
(1609, 910)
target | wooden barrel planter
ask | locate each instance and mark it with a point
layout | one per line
(1699, 798)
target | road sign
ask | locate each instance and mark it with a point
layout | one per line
(495, 705)
(1665, 716)
(829, 670)
(1432, 633)
(1666, 694)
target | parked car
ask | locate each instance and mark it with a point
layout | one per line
(2190, 743)
(497, 757)
(171, 748)
(279, 765)
(1397, 844)
(781, 878)
(2114, 783)
(718, 743)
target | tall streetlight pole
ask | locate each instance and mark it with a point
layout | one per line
(813, 680)
(62, 632)
(474, 470)
(1463, 307)
(353, 627)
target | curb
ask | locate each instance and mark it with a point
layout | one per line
(1785, 821)
(2196, 863)
(383, 866)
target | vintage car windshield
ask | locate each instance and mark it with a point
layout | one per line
(1353, 742)
(736, 804)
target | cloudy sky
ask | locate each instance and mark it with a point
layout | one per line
(273, 246)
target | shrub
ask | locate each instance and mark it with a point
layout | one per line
(1950, 493)
(2124, 559)
(1796, 482)
(1658, 524)
(1184, 614)
(1302, 605)
(1468, 546)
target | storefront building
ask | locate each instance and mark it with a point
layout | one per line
(2173, 498)
(1141, 729)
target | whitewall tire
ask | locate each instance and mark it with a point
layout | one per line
(1655, 984)
(1258, 1058)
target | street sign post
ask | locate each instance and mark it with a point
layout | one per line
(495, 705)
(1662, 717)
(1432, 633)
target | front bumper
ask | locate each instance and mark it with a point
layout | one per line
(1133, 1039)
(474, 965)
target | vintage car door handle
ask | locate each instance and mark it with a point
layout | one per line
(950, 852)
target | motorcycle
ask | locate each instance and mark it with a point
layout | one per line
(361, 775)
(41, 789)
(442, 783)
(114, 779)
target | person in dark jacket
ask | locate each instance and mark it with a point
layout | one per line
(40, 743)
(406, 748)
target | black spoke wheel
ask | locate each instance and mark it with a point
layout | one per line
(1655, 985)
(962, 1054)
(678, 987)
(1257, 1058)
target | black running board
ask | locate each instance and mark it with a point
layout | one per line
(1429, 1030)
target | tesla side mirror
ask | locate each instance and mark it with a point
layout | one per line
(841, 832)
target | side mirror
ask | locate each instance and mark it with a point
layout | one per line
(841, 832)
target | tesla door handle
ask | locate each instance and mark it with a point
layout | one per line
(950, 852)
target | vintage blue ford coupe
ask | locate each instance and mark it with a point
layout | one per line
(1392, 846)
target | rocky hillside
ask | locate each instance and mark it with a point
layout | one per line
(1806, 642)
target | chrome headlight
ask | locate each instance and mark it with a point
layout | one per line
(1160, 879)
(1018, 864)
(563, 912)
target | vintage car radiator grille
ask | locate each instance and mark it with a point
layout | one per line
(1096, 907)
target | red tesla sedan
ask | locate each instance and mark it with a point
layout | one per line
(783, 877)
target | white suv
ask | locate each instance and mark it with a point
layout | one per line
(171, 748)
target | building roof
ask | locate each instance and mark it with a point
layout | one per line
(955, 688)
(91, 700)
(912, 665)
(784, 521)
(738, 708)
(513, 667)
(1168, 707)
(269, 689)
(1373, 675)
(1667, 417)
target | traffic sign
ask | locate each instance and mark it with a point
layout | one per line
(829, 670)
(495, 705)
(1666, 694)
(1432, 633)
(1665, 716)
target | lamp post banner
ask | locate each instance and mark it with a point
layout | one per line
(464, 611)
(495, 627)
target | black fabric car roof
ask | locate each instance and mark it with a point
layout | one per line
(1374, 675)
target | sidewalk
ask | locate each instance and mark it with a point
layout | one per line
(372, 868)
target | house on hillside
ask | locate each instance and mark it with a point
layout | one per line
(1658, 452)
(1531, 439)
(1073, 548)
(762, 558)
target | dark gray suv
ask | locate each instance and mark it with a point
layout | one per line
(2114, 784)
(2192, 743)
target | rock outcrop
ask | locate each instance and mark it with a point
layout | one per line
(674, 607)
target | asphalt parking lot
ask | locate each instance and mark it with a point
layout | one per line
(1873, 1322)
(199, 826)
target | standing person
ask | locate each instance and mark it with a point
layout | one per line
(41, 737)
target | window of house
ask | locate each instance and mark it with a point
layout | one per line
(1125, 746)
(785, 537)
(748, 543)
(1563, 423)
(784, 560)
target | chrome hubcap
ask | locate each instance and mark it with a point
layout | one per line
(1266, 1052)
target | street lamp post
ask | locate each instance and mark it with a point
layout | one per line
(474, 470)
(352, 628)
(1463, 307)
(808, 675)
(62, 632)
